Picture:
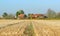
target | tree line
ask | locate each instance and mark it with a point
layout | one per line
(51, 14)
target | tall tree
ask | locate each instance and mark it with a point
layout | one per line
(19, 12)
(51, 13)
(30, 16)
(5, 15)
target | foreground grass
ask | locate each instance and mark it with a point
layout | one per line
(29, 31)
(39, 25)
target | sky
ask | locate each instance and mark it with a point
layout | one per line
(29, 6)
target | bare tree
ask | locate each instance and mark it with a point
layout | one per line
(51, 13)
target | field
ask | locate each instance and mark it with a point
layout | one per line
(29, 27)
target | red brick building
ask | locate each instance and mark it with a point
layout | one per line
(37, 16)
(21, 16)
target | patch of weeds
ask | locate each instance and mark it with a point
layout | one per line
(29, 31)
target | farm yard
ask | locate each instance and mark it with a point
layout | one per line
(29, 27)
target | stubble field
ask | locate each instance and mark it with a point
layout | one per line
(29, 27)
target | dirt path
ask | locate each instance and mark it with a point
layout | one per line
(36, 32)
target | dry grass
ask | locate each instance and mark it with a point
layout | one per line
(41, 27)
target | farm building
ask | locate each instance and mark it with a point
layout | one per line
(37, 16)
(21, 16)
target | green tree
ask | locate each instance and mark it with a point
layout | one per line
(51, 13)
(25, 15)
(19, 12)
(30, 16)
(5, 15)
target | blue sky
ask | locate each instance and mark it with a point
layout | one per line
(29, 6)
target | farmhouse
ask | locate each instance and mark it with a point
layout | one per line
(34, 16)
(37, 16)
(21, 16)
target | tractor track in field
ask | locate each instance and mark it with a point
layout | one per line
(42, 29)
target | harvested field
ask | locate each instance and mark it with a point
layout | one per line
(29, 27)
